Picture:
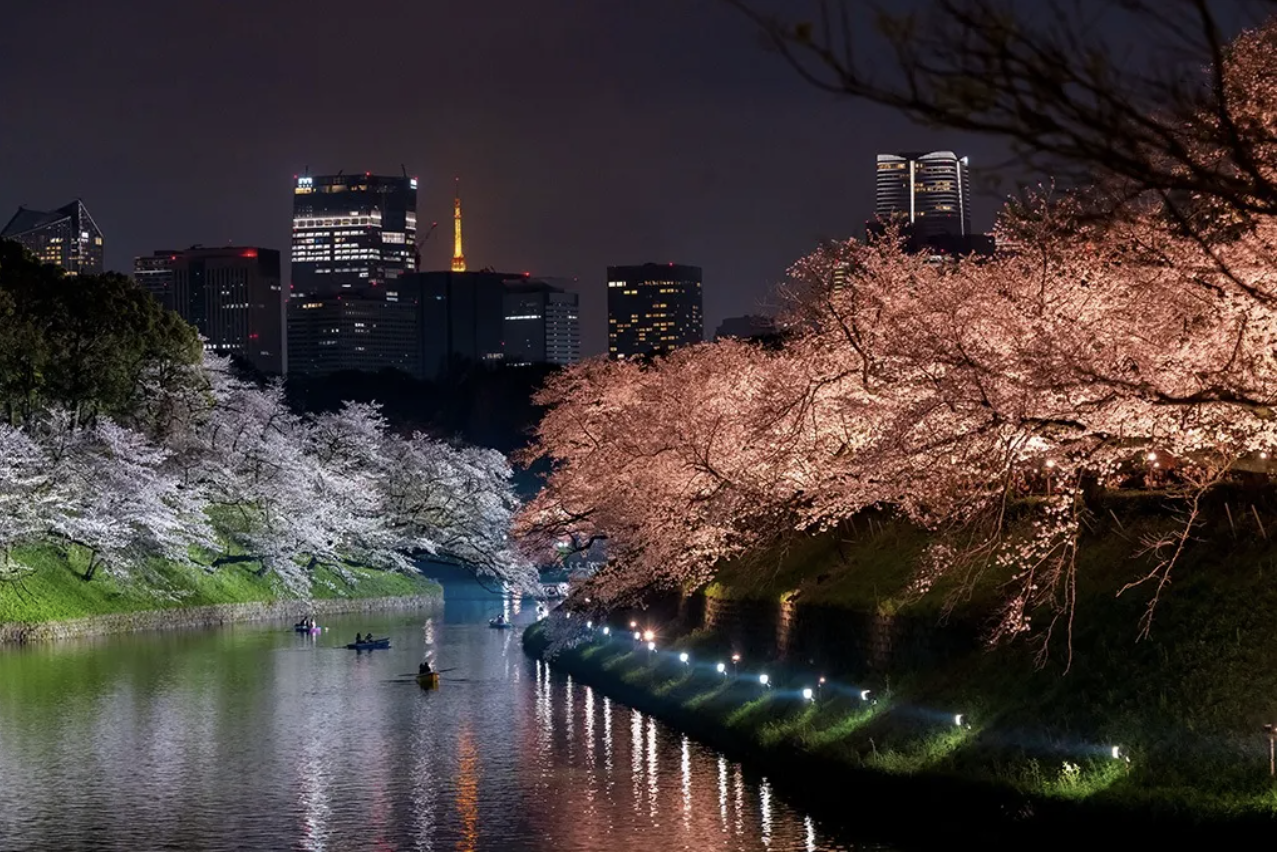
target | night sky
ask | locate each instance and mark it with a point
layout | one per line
(585, 133)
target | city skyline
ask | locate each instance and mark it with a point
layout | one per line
(704, 157)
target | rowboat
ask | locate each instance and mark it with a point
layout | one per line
(307, 630)
(376, 643)
(429, 680)
(495, 623)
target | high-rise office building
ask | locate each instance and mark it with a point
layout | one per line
(540, 324)
(930, 190)
(460, 317)
(67, 237)
(353, 332)
(653, 308)
(352, 233)
(231, 294)
(155, 273)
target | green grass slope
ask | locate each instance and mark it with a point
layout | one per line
(57, 591)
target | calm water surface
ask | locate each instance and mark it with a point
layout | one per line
(253, 737)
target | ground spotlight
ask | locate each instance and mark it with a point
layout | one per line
(720, 667)
(605, 630)
(864, 695)
(637, 636)
(959, 719)
(684, 658)
(807, 693)
(648, 634)
(633, 624)
(652, 646)
(589, 624)
(764, 678)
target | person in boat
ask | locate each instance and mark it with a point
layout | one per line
(368, 638)
(359, 639)
(424, 669)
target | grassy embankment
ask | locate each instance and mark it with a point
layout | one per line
(1188, 704)
(58, 591)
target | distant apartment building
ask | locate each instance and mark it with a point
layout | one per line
(540, 324)
(928, 190)
(231, 294)
(653, 308)
(67, 237)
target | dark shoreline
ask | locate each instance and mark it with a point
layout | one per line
(931, 811)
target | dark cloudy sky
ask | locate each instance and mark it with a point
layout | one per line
(585, 132)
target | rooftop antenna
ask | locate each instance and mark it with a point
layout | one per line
(403, 171)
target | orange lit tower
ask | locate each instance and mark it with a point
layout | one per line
(459, 260)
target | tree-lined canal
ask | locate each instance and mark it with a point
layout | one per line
(252, 737)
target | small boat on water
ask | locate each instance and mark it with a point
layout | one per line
(376, 643)
(429, 680)
(302, 628)
(499, 623)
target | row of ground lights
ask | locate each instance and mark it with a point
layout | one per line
(808, 694)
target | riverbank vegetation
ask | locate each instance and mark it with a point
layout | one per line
(54, 589)
(1111, 345)
(124, 447)
(1186, 707)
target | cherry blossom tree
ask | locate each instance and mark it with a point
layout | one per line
(941, 390)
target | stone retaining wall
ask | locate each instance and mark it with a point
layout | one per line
(204, 616)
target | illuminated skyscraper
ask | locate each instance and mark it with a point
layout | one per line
(67, 237)
(653, 308)
(231, 294)
(459, 264)
(352, 233)
(930, 190)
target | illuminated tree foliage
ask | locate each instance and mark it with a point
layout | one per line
(942, 390)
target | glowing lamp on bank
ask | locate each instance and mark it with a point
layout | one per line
(959, 719)
(864, 695)
(652, 646)
(807, 693)
(589, 625)
(684, 658)
(605, 630)
(637, 636)
(633, 624)
(720, 667)
(648, 635)
(764, 679)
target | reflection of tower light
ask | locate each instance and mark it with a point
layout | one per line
(810, 837)
(737, 799)
(468, 791)
(568, 713)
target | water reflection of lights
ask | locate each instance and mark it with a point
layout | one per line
(468, 798)
(568, 713)
(653, 766)
(637, 754)
(608, 739)
(810, 835)
(724, 792)
(315, 804)
(766, 812)
(737, 799)
(685, 782)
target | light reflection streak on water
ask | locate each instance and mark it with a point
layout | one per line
(315, 826)
(810, 841)
(685, 783)
(724, 792)
(568, 714)
(637, 753)
(608, 741)
(653, 766)
(766, 813)
(589, 716)
(468, 790)
(737, 800)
